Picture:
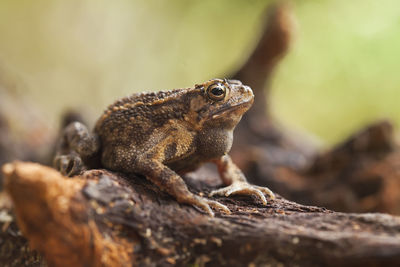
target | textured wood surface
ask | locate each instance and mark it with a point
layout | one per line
(107, 219)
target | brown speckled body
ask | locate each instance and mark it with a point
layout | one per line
(166, 133)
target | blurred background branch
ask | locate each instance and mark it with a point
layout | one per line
(340, 74)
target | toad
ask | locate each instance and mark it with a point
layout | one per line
(165, 134)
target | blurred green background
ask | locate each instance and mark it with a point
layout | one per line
(341, 73)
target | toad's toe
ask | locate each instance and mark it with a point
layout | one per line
(68, 165)
(243, 188)
(206, 205)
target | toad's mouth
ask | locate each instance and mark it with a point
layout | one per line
(244, 106)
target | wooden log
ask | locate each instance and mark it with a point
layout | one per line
(108, 219)
(14, 248)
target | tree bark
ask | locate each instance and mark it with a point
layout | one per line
(108, 219)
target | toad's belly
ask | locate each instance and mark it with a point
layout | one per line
(207, 148)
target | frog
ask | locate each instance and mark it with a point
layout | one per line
(164, 135)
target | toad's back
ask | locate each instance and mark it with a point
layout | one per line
(135, 125)
(132, 119)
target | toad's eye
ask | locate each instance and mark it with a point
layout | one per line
(216, 92)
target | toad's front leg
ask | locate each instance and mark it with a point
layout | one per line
(232, 176)
(76, 144)
(166, 179)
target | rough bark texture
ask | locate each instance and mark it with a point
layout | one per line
(14, 248)
(108, 219)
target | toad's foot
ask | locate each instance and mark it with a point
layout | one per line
(206, 205)
(69, 165)
(244, 188)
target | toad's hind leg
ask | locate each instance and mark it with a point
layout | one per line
(232, 176)
(166, 179)
(77, 144)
